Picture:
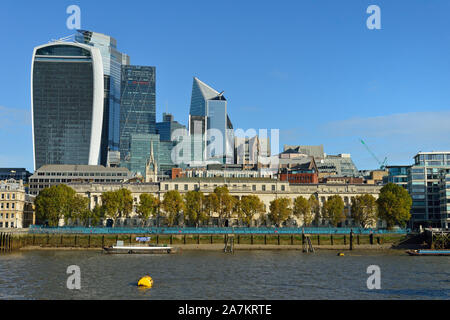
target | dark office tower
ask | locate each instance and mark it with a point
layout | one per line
(137, 105)
(66, 103)
(167, 127)
(112, 65)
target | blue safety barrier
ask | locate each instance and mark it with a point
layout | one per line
(208, 230)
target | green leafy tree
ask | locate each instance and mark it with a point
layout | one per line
(280, 210)
(211, 204)
(315, 208)
(394, 205)
(110, 204)
(148, 206)
(302, 210)
(364, 210)
(226, 203)
(172, 205)
(117, 204)
(333, 210)
(80, 208)
(58, 202)
(96, 215)
(125, 202)
(250, 206)
(194, 207)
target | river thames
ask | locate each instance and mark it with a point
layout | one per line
(208, 275)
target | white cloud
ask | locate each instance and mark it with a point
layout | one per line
(11, 118)
(416, 125)
(397, 136)
(279, 75)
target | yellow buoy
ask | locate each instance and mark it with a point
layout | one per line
(146, 282)
(341, 254)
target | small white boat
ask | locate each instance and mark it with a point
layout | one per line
(139, 249)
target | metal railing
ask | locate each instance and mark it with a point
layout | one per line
(209, 230)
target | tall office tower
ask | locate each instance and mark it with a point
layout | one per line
(137, 104)
(112, 65)
(208, 119)
(167, 127)
(66, 103)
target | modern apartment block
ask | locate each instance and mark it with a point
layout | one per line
(425, 186)
(67, 89)
(137, 105)
(16, 207)
(51, 175)
(445, 197)
(112, 67)
(397, 175)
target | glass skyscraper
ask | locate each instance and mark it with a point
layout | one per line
(209, 112)
(67, 103)
(138, 104)
(112, 67)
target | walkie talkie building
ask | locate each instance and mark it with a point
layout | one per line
(67, 92)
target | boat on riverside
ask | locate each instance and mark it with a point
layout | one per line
(428, 252)
(120, 248)
(139, 249)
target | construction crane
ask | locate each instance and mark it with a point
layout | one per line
(382, 164)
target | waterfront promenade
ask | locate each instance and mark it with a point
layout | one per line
(205, 239)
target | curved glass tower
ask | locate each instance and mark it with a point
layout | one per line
(66, 104)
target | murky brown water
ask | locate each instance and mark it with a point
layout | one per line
(206, 275)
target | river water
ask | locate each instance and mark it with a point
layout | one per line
(204, 275)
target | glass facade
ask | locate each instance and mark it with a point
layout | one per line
(112, 65)
(63, 95)
(140, 146)
(427, 186)
(209, 111)
(167, 127)
(343, 163)
(138, 104)
(397, 175)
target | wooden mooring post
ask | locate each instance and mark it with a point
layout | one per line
(229, 244)
(351, 240)
(6, 242)
(307, 246)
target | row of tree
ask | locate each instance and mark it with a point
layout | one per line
(62, 202)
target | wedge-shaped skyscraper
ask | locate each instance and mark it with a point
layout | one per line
(67, 92)
(210, 126)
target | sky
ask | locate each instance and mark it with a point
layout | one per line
(312, 69)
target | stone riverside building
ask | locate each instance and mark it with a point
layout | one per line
(16, 207)
(266, 189)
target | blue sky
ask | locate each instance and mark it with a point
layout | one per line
(309, 68)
